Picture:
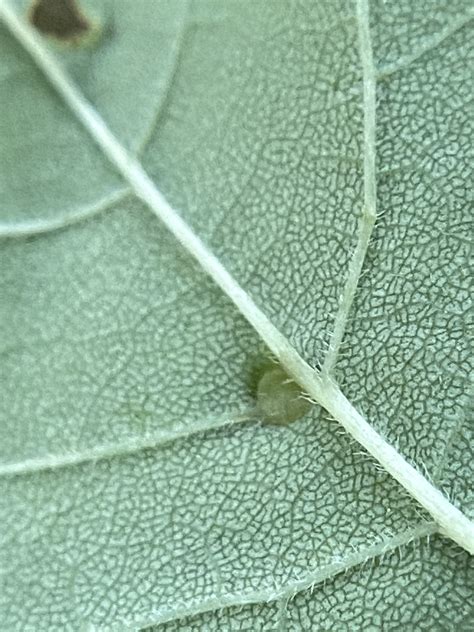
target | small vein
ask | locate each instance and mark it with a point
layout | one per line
(123, 448)
(282, 617)
(452, 522)
(160, 108)
(451, 435)
(385, 71)
(40, 226)
(368, 216)
(288, 591)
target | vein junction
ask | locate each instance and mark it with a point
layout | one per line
(451, 521)
(368, 216)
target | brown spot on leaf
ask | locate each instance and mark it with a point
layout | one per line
(61, 19)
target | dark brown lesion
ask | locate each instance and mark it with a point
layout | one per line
(61, 19)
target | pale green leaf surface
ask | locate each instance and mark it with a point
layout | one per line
(113, 339)
(216, 518)
(413, 310)
(132, 61)
(282, 197)
(132, 64)
(48, 161)
(405, 590)
(145, 352)
(411, 315)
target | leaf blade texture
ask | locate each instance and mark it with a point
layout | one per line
(262, 149)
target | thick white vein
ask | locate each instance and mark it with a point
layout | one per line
(323, 390)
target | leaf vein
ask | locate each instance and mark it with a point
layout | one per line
(288, 591)
(41, 226)
(323, 390)
(368, 216)
(406, 61)
(124, 448)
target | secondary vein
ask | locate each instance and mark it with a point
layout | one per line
(47, 225)
(123, 448)
(385, 71)
(368, 216)
(453, 523)
(289, 590)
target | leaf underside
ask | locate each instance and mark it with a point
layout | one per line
(144, 493)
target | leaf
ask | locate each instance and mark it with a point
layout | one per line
(137, 486)
(364, 599)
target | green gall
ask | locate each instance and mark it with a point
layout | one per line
(279, 398)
